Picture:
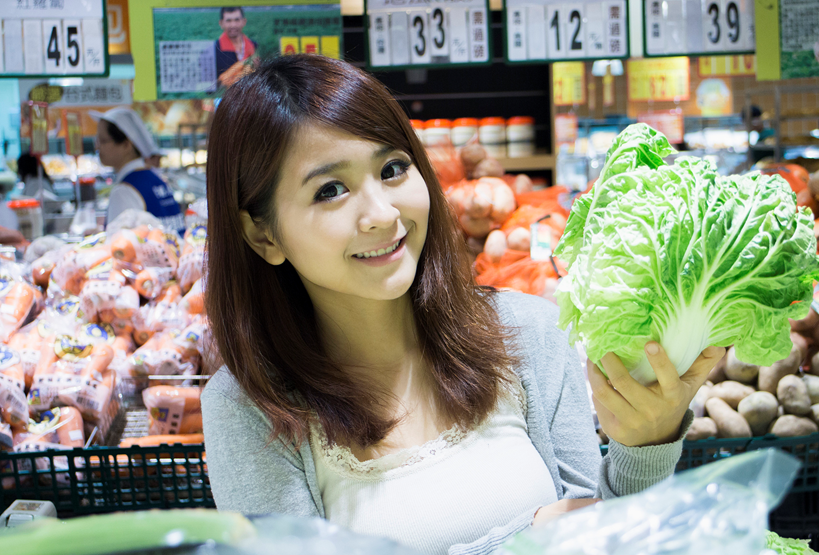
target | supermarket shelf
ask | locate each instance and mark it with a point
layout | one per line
(794, 117)
(527, 163)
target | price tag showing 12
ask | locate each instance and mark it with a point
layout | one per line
(441, 32)
(544, 31)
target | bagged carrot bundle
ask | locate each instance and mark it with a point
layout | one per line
(106, 289)
(163, 355)
(19, 298)
(193, 303)
(69, 274)
(160, 314)
(28, 342)
(192, 261)
(13, 406)
(173, 409)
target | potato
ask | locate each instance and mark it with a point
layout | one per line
(729, 422)
(731, 392)
(489, 167)
(759, 409)
(475, 245)
(519, 239)
(739, 371)
(480, 204)
(702, 428)
(495, 245)
(813, 387)
(769, 376)
(523, 184)
(503, 199)
(475, 227)
(697, 404)
(717, 373)
(814, 364)
(472, 155)
(793, 394)
(807, 324)
(793, 426)
(814, 413)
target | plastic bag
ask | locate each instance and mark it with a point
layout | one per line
(714, 509)
(173, 409)
(13, 406)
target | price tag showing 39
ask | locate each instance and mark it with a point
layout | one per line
(442, 32)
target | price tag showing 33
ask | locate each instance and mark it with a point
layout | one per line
(442, 32)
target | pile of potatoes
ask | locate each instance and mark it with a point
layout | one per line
(744, 400)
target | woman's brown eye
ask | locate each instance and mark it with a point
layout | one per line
(394, 169)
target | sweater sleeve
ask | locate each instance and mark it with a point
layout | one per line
(248, 473)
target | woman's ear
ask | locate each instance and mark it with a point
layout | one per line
(260, 240)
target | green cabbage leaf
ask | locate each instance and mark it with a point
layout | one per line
(683, 256)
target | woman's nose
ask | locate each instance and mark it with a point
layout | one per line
(377, 210)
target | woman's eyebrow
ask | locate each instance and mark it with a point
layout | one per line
(335, 166)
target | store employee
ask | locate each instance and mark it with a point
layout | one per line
(123, 142)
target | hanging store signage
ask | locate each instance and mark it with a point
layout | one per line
(789, 50)
(566, 128)
(73, 132)
(540, 30)
(53, 38)
(118, 28)
(698, 27)
(569, 83)
(403, 33)
(658, 80)
(39, 127)
(196, 52)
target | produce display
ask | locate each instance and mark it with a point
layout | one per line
(84, 321)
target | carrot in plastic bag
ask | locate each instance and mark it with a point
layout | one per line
(173, 409)
(69, 427)
(124, 245)
(170, 439)
(13, 405)
(15, 308)
(150, 281)
(194, 301)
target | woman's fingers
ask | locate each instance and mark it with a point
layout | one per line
(633, 391)
(665, 371)
(606, 395)
(696, 375)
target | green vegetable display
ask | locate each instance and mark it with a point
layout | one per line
(681, 255)
(785, 546)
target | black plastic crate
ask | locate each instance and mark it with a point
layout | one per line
(106, 479)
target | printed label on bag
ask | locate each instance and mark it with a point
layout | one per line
(8, 357)
(168, 418)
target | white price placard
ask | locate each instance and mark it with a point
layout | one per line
(691, 27)
(586, 29)
(54, 37)
(441, 32)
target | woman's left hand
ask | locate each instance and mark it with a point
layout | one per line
(636, 415)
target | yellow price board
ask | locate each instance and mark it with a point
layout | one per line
(569, 83)
(73, 132)
(289, 45)
(725, 66)
(661, 79)
(309, 45)
(330, 47)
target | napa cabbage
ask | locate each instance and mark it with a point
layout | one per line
(681, 255)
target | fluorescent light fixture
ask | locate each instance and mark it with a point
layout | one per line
(614, 66)
(66, 81)
(815, 133)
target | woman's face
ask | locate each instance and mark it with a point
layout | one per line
(351, 215)
(112, 154)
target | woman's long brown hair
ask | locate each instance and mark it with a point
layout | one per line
(261, 316)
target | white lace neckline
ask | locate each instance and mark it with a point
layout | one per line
(341, 458)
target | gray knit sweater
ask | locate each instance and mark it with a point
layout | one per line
(253, 478)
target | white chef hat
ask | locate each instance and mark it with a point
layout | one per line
(132, 126)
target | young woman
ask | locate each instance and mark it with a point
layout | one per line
(367, 379)
(124, 142)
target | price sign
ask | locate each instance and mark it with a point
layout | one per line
(51, 38)
(668, 123)
(73, 133)
(569, 83)
(438, 32)
(788, 38)
(538, 30)
(694, 27)
(658, 80)
(39, 127)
